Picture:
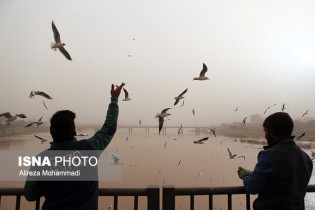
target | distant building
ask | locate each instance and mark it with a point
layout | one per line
(256, 119)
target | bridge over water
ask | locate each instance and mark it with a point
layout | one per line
(147, 128)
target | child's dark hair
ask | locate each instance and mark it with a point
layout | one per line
(279, 124)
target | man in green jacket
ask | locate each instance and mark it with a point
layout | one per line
(74, 194)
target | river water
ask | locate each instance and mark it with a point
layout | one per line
(169, 159)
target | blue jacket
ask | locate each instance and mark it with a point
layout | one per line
(280, 177)
(75, 195)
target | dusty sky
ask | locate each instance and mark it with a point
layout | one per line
(258, 53)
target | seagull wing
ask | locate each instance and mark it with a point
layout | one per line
(65, 53)
(115, 157)
(126, 93)
(230, 154)
(185, 91)
(41, 93)
(176, 102)
(40, 119)
(204, 139)
(56, 33)
(40, 138)
(6, 115)
(161, 121)
(203, 71)
(21, 115)
(165, 110)
(29, 125)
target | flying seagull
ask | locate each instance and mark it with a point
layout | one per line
(300, 136)
(231, 156)
(161, 118)
(116, 160)
(236, 109)
(109, 206)
(202, 73)
(182, 103)
(199, 173)
(38, 123)
(42, 140)
(126, 95)
(244, 121)
(58, 44)
(213, 130)
(201, 141)
(82, 134)
(269, 108)
(193, 111)
(283, 107)
(10, 117)
(39, 93)
(180, 96)
(305, 113)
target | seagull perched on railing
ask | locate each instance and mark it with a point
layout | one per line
(58, 44)
(202, 73)
(10, 117)
(161, 118)
(180, 96)
(39, 93)
(38, 123)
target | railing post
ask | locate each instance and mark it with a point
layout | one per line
(168, 197)
(153, 197)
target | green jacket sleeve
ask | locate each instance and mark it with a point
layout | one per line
(102, 137)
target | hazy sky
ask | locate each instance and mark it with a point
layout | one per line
(258, 52)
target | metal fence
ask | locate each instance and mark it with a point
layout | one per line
(152, 193)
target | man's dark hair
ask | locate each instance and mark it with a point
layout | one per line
(279, 124)
(62, 126)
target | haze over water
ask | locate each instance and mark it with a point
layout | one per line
(171, 159)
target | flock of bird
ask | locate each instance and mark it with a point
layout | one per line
(58, 44)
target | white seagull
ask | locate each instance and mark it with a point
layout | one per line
(82, 134)
(161, 118)
(126, 95)
(231, 156)
(39, 93)
(10, 117)
(58, 44)
(213, 130)
(180, 96)
(200, 173)
(116, 160)
(202, 73)
(38, 123)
